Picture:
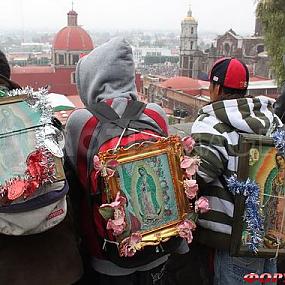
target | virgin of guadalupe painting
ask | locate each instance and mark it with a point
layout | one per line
(274, 204)
(264, 165)
(15, 119)
(150, 203)
(18, 144)
(268, 170)
(149, 177)
(146, 192)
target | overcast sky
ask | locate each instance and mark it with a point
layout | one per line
(103, 15)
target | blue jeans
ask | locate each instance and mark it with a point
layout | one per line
(231, 270)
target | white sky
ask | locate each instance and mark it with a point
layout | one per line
(103, 15)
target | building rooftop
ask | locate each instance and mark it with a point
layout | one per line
(184, 83)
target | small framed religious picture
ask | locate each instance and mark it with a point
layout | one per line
(149, 180)
(264, 165)
(29, 145)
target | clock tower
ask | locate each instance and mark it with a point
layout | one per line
(189, 47)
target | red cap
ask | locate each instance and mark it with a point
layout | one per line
(230, 73)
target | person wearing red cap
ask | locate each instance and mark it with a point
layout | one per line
(216, 132)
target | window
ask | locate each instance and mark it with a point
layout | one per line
(75, 59)
(227, 48)
(185, 62)
(191, 45)
(192, 30)
(61, 59)
(73, 80)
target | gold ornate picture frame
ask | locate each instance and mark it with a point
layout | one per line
(148, 175)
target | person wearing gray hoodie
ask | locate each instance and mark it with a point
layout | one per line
(107, 75)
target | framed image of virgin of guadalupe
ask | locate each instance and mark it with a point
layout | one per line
(23, 151)
(149, 180)
(261, 162)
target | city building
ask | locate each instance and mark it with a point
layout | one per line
(69, 44)
(190, 56)
(187, 95)
(195, 63)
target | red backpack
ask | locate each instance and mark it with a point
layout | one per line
(113, 131)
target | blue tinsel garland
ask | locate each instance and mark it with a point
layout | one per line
(279, 140)
(253, 217)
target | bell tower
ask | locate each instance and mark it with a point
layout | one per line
(188, 46)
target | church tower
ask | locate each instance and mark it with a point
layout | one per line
(189, 46)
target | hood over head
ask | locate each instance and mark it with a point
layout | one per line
(249, 115)
(107, 72)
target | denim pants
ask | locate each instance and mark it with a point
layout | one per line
(231, 270)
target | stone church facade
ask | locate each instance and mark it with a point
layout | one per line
(194, 62)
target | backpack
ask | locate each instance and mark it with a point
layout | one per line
(32, 183)
(113, 131)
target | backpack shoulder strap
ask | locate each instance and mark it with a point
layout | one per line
(103, 112)
(111, 125)
(106, 113)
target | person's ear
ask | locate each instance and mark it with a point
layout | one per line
(217, 90)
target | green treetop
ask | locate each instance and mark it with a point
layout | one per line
(272, 16)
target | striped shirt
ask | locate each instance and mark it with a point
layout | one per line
(216, 132)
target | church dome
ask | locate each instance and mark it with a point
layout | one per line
(189, 17)
(72, 37)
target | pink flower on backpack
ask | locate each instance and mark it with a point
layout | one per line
(202, 205)
(190, 164)
(105, 169)
(185, 230)
(191, 188)
(188, 143)
(118, 223)
(128, 246)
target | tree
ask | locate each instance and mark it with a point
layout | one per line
(272, 16)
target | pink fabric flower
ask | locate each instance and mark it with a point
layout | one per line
(97, 163)
(191, 188)
(202, 205)
(188, 143)
(105, 169)
(128, 245)
(118, 223)
(190, 164)
(185, 230)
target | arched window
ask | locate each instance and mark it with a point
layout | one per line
(260, 48)
(227, 48)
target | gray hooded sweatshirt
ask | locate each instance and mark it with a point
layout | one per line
(107, 73)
